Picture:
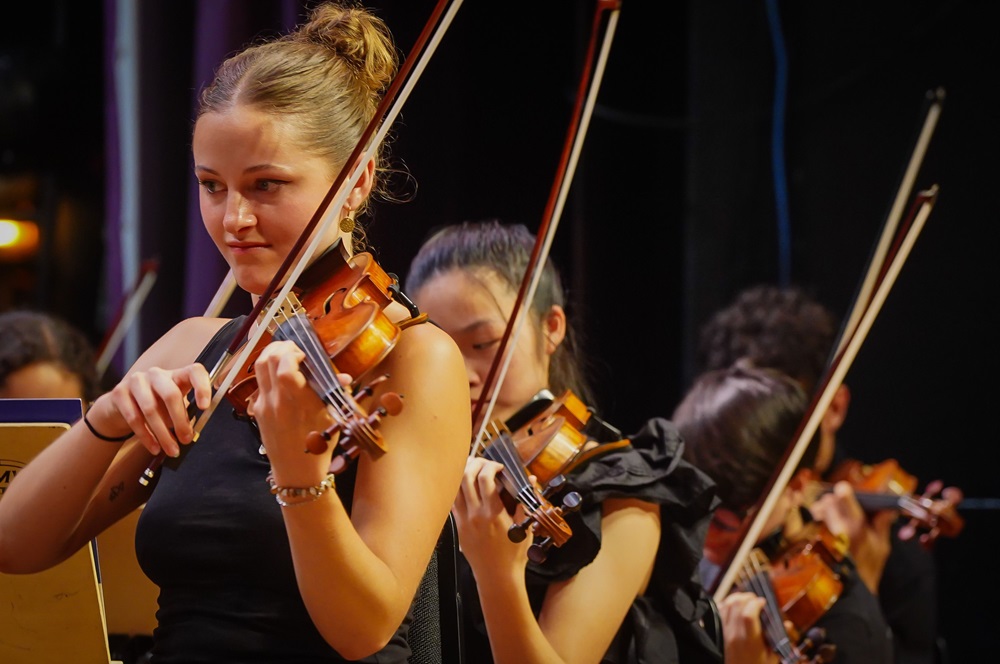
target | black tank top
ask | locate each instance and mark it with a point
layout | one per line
(213, 539)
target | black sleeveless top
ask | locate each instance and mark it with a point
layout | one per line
(213, 539)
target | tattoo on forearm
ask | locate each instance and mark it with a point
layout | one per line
(116, 491)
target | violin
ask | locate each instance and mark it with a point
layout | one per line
(886, 485)
(544, 520)
(335, 314)
(547, 438)
(800, 581)
(555, 436)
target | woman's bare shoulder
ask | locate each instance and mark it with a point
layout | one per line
(428, 354)
(181, 344)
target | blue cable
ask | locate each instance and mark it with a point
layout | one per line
(778, 144)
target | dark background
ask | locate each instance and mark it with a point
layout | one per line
(672, 210)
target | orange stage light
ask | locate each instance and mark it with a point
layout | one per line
(18, 240)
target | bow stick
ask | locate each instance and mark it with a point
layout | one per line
(935, 99)
(582, 112)
(126, 313)
(221, 297)
(865, 309)
(922, 207)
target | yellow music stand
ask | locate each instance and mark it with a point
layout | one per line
(130, 598)
(55, 616)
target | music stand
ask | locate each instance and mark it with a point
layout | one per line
(55, 616)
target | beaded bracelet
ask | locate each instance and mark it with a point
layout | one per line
(109, 439)
(280, 493)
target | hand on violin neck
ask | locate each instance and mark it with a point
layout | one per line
(483, 521)
(868, 537)
(840, 511)
(742, 630)
(286, 408)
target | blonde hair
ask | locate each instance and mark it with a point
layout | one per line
(326, 78)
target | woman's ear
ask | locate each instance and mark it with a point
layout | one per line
(554, 328)
(363, 187)
(833, 419)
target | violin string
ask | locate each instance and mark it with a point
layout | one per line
(501, 452)
(515, 472)
(772, 616)
(774, 627)
(325, 383)
(342, 405)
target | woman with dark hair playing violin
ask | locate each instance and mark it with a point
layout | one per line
(623, 587)
(265, 552)
(737, 424)
(786, 328)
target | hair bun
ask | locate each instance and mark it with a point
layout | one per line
(358, 37)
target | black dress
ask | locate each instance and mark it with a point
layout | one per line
(674, 621)
(213, 539)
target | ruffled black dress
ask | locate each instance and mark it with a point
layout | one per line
(675, 620)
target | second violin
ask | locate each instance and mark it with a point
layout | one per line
(466, 278)
(548, 438)
(886, 486)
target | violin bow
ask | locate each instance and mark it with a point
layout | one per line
(590, 82)
(935, 100)
(127, 312)
(922, 207)
(879, 277)
(221, 297)
(386, 113)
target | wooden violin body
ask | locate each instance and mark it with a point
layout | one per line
(547, 440)
(344, 298)
(551, 437)
(799, 578)
(335, 314)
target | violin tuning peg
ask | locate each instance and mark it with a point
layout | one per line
(340, 462)
(571, 502)
(518, 531)
(952, 494)
(391, 403)
(907, 531)
(316, 443)
(539, 550)
(554, 485)
(369, 388)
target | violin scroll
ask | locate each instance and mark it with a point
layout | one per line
(544, 520)
(546, 523)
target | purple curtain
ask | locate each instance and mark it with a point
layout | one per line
(179, 45)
